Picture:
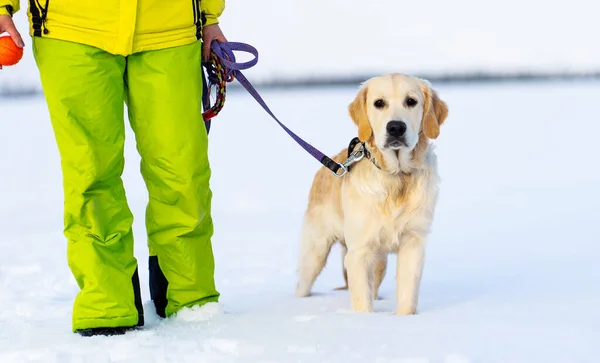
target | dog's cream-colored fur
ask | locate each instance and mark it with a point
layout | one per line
(383, 205)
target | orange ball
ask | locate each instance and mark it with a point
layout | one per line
(10, 53)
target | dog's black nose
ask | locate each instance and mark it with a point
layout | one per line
(396, 128)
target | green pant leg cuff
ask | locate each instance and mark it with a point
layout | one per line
(170, 310)
(121, 321)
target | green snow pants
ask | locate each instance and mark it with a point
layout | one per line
(86, 90)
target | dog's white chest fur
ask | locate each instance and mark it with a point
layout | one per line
(378, 211)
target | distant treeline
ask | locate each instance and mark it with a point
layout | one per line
(355, 80)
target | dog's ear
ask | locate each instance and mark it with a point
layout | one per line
(435, 112)
(358, 113)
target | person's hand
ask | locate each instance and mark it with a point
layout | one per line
(210, 33)
(7, 25)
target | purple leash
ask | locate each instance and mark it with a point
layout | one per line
(224, 52)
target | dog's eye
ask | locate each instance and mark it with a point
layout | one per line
(379, 103)
(411, 102)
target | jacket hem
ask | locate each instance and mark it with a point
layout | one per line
(140, 44)
(144, 44)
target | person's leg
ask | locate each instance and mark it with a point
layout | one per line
(84, 91)
(164, 98)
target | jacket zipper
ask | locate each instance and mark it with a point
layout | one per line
(44, 11)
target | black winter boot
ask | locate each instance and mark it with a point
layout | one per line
(103, 331)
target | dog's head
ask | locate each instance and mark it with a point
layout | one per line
(393, 111)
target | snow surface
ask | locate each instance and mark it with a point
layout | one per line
(511, 273)
(341, 38)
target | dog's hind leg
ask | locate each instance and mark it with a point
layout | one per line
(380, 269)
(344, 270)
(313, 255)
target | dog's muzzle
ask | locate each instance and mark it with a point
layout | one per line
(396, 131)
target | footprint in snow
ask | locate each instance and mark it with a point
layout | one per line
(303, 318)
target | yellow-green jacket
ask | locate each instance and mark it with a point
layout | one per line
(120, 26)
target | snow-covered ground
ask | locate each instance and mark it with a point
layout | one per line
(341, 38)
(512, 267)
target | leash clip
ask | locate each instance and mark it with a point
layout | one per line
(344, 171)
(355, 156)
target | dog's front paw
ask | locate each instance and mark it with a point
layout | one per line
(406, 310)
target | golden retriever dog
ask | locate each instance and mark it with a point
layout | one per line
(385, 203)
